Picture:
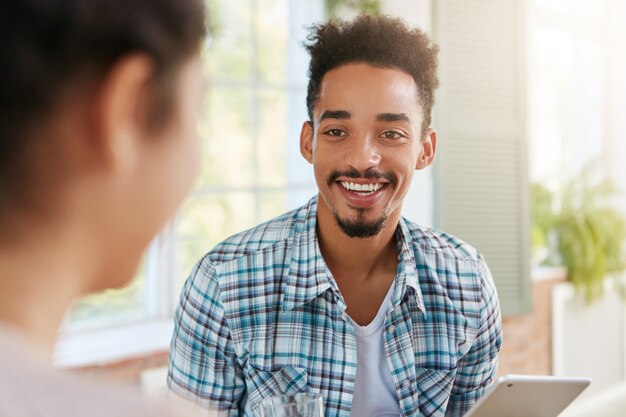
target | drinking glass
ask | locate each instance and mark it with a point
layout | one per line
(305, 404)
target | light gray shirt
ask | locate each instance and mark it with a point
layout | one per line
(31, 388)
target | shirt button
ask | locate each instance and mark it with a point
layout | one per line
(406, 383)
(391, 329)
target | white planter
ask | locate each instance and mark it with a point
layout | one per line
(589, 340)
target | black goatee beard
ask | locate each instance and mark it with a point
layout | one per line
(359, 227)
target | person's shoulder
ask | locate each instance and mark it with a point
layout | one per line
(430, 240)
(269, 240)
(251, 262)
(263, 237)
(30, 386)
(451, 272)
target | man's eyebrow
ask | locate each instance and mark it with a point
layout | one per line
(335, 114)
(393, 117)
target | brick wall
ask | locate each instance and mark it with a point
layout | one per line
(527, 339)
(527, 347)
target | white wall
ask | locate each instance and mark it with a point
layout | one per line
(616, 121)
(589, 340)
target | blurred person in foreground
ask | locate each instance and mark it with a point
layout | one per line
(98, 147)
(343, 296)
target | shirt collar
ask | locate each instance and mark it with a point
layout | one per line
(307, 277)
(406, 275)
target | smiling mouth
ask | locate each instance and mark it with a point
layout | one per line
(362, 189)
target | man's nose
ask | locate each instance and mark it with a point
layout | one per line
(363, 154)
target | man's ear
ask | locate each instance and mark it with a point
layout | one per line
(306, 141)
(120, 108)
(428, 148)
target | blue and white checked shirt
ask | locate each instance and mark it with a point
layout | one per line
(261, 315)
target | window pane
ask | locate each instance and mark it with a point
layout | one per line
(272, 28)
(272, 147)
(208, 219)
(229, 56)
(566, 89)
(273, 204)
(227, 139)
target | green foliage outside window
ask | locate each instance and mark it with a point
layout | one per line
(334, 8)
(113, 304)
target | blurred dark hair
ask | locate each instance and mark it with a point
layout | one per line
(46, 45)
(376, 40)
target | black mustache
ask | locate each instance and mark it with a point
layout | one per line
(370, 174)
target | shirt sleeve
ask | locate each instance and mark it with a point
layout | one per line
(477, 368)
(202, 366)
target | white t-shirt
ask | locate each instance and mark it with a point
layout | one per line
(31, 388)
(374, 390)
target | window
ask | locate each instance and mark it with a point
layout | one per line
(252, 171)
(245, 177)
(576, 95)
(567, 87)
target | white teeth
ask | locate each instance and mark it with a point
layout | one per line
(365, 188)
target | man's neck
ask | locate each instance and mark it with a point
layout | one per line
(364, 269)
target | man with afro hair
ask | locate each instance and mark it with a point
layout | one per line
(344, 297)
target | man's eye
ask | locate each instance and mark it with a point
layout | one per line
(335, 132)
(392, 135)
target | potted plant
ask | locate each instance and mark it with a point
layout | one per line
(579, 229)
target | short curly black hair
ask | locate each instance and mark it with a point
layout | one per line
(377, 40)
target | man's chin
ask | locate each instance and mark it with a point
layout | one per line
(360, 227)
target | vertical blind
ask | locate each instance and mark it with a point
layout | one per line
(481, 183)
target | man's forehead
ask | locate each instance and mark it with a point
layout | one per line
(365, 90)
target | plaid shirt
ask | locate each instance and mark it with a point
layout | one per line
(261, 315)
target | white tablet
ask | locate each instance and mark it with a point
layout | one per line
(528, 396)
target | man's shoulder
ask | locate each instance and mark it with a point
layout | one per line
(429, 240)
(453, 275)
(272, 236)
